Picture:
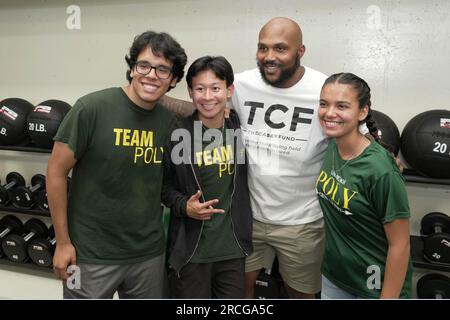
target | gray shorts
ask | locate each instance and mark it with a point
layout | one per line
(299, 250)
(143, 280)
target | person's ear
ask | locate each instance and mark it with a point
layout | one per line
(363, 113)
(230, 90)
(301, 50)
(173, 83)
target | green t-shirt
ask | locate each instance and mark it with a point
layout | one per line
(357, 198)
(216, 166)
(114, 210)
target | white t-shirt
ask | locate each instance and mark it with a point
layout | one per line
(285, 145)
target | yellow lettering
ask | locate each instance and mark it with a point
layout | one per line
(227, 153)
(222, 168)
(149, 155)
(147, 139)
(325, 184)
(216, 156)
(228, 167)
(322, 177)
(334, 194)
(207, 157)
(135, 139)
(126, 137)
(231, 168)
(155, 160)
(138, 152)
(117, 132)
(199, 155)
(148, 158)
(346, 198)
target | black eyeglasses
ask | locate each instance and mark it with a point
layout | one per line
(144, 68)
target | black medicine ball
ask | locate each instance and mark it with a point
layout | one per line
(13, 121)
(387, 130)
(44, 121)
(426, 143)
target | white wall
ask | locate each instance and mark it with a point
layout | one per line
(400, 47)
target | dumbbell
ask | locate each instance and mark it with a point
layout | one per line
(267, 286)
(436, 227)
(41, 250)
(41, 197)
(41, 200)
(15, 246)
(9, 225)
(433, 286)
(25, 198)
(13, 179)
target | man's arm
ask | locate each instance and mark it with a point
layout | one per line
(181, 108)
(61, 161)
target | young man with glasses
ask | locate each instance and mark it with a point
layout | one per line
(110, 226)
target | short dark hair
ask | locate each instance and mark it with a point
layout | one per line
(219, 65)
(161, 44)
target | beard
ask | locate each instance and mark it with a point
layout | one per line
(285, 74)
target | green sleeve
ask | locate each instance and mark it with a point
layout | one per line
(76, 129)
(389, 197)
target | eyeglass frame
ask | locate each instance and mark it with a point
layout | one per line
(153, 67)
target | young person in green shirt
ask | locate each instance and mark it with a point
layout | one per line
(362, 195)
(111, 224)
(206, 188)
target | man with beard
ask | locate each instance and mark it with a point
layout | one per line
(277, 104)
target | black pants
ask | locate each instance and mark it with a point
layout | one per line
(216, 280)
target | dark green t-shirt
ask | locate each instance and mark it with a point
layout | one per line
(114, 212)
(216, 166)
(357, 198)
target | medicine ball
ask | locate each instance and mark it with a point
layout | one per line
(13, 121)
(44, 121)
(387, 130)
(426, 143)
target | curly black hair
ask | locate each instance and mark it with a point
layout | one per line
(161, 44)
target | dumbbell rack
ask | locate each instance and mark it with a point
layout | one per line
(34, 212)
(27, 148)
(412, 176)
(29, 265)
(10, 208)
(418, 259)
(409, 174)
(417, 246)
